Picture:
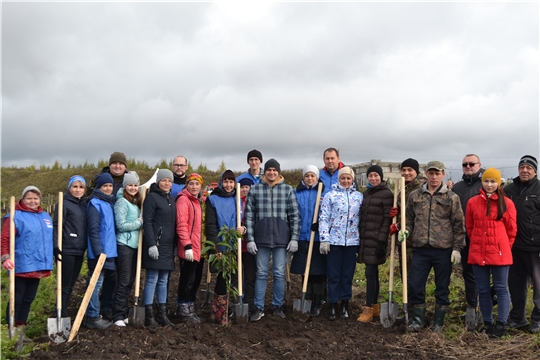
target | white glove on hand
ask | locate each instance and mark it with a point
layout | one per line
(324, 247)
(252, 248)
(189, 255)
(456, 257)
(153, 252)
(293, 246)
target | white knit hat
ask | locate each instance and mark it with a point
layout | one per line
(311, 168)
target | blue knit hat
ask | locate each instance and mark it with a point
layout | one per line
(102, 179)
(76, 178)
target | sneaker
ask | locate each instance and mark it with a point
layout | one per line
(535, 327)
(512, 324)
(257, 315)
(278, 311)
(120, 323)
(96, 323)
(126, 321)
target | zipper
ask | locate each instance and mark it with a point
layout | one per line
(429, 218)
(272, 213)
(348, 213)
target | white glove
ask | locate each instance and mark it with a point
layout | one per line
(153, 252)
(189, 255)
(252, 248)
(456, 257)
(324, 247)
(293, 246)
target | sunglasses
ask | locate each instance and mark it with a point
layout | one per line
(471, 164)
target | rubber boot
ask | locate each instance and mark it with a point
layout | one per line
(438, 317)
(149, 316)
(162, 318)
(185, 313)
(333, 311)
(344, 309)
(193, 312)
(418, 317)
(219, 305)
(376, 310)
(316, 304)
(367, 315)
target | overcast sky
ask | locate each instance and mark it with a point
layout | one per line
(432, 81)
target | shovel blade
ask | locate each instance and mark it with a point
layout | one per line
(388, 314)
(302, 310)
(58, 329)
(136, 316)
(242, 313)
(206, 296)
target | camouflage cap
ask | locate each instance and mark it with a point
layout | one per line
(437, 165)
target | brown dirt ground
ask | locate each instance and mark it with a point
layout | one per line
(274, 338)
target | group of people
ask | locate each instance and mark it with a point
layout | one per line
(494, 233)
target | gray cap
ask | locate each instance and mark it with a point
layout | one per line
(164, 173)
(131, 178)
(30, 188)
(437, 165)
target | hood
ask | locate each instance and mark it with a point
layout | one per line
(302, 186)
(186, 193)
(443, 189)
(338, 187)
(101, 195)
(220, 190)
(340, 165)
(21, 207)
(476, 177)
(279, 180)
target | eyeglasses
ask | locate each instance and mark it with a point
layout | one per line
(180, 165)
(471, 164)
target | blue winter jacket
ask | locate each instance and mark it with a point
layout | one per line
(220, 210)
(248, 175)
(127, 219)
(329, 180)
(101, 232)
(306, 198)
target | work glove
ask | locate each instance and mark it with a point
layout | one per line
(394, 211)
(189, 255)
(293, 246)
(394, 228)
(8, 264)
(252, 248)
(315, 227)
(57, 254)
(456, 257)
(380, 251)
(403, 235)
(324, 247)
(153, 252)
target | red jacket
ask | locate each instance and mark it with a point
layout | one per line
(491, 239)
(188, 224)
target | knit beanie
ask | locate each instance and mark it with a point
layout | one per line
(163, 174)
(412, 163)
(131, 178)
(345, 170)
(194, 176)
(246, 181)
(30, 188)
(254, 153)
(375, 168)
(102, 179)
(118, 157)
(272, 163)
(492, 173)
(529, 160)
(311, 168)
(76, 178)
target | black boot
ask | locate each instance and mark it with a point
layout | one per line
(149, 316)
(438, 317)
(333, 311)
(488, 328)
(316, 304)
(418, 317)
(499, 330)
(344, 309)
(162, 318)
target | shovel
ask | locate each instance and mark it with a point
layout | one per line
(59, 327)
(389, 309)
(12, 272)
(137, 312)
(205, 295)
(241, 309)
(404, 252)
(87, 296)
(302, 308)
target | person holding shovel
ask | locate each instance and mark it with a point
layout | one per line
(127, 216)
(33, 251)
(374, 229)
(306, 195)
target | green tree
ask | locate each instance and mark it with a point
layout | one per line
(221, 167)
(163, 164)
(202, 169)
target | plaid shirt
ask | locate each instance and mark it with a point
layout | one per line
(272, 214)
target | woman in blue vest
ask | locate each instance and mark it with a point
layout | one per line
(33, 250)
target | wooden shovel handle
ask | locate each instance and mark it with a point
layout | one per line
(12, 272)
(239, 240)
(142, 192)
(312, 237)
(59, 238)
(393, 243)
(403, 227)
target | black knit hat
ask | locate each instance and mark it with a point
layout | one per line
(529, 160)
(412, 163)
(254, 153)
(272, 163)
(375, 168)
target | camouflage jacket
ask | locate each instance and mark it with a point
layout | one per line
(435, 220)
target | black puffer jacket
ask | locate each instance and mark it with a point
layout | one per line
(468, 187)
(74, 241)
(159, 224)
(374, 222)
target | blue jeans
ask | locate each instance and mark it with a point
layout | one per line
(424, 259)
(93, 306)
(500, 281)
(279, 260)
(156, 279)
(340, 262)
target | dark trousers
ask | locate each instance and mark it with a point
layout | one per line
(250, 274)
(126, 264)
(190, 279)
(341, 261)
(71, 267)
(471, 294)
(526, 266)
(106, 299)
(424, 259)
(25, 293)
(372, 286)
